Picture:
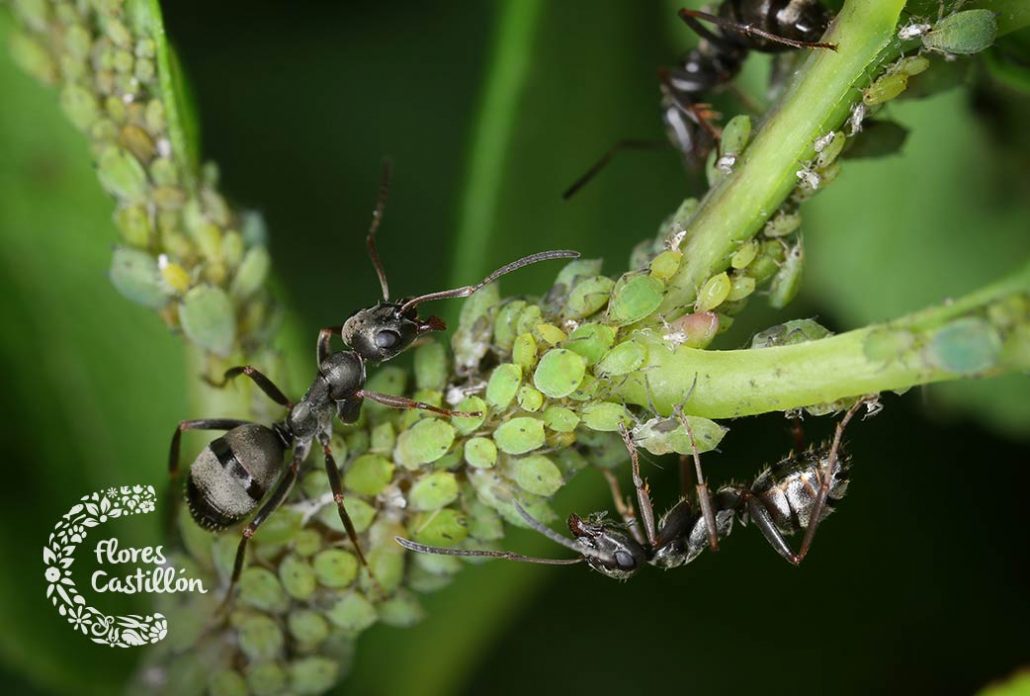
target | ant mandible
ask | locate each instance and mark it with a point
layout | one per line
(235, 472)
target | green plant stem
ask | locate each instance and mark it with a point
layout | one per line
(817, 102)
(893, 356)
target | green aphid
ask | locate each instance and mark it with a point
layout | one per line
(122, 175)
(80, 106)
(549, 334)
(665, 265)
(468, 424)
(588, 297)
(353, 613)
(963, 33)
(433, 491)
(790, 333)
(134, 224)
(528, 318)
(297, 577)
(437, 565)
(634, 298)
(735, 136)
(575, 271)
(480, 452)
(604, 449)
(266, 678)
(742, 287)
(386, 560)
(369, 474)
(361, 514)
(280, 527)
(450, 461)
(828, 148)
(536, 474)
(559, 373)
(624, 358)
(403, 610)
(445, 527)
(137, 276)
(569, 461)
(782, 225)
(387, 380)
(227, 683)
(208, 319)
(529, 399)
(164, 172)
(308, 627)
(261, 589)
(260, 637)
(313, 675)
(309, 541)
(605, 416)
(965, 346)
(251, 274)
(335, 568)
(519, 435)
(587, 389)
(591, 341)
(431, 368)
(357, 441)
(744, 255)
(423, 443)
(665, 435)
(787, 281)
(523, 352)
(560, 419)
(504, 323)
(912, 65)
(33, 57)
(484, 522)
(503, 385)
(885, 88)
(383, 439)
(713, 293)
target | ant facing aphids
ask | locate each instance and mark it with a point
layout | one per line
(235, 472)
(794, 495)
(745, 25)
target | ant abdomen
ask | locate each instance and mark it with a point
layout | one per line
(232, 474)
(790, 487)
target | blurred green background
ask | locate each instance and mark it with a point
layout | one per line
(920, 583)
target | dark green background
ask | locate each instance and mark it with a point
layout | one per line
(918, 584)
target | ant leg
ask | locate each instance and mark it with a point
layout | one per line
(606, 158)
(691, 17)
(643, 495)
(704, 497)
(797, 431)
(403, 402)
(324, 336)
(334, 483)
(623, 506)
(264, 384)
(282, 489)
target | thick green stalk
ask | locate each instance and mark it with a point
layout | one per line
(983, 334)
(817, 102)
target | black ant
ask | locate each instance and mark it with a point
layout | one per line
(234, 473)
(746, 25)
(791, 496)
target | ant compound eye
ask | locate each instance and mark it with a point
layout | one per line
(387, 339)
(625, 560)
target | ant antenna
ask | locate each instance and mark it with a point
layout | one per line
(377, 218)
(605, 160)
(467, 290)
(477, 553)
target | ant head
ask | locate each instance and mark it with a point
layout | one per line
(606, 548)
(386, 329)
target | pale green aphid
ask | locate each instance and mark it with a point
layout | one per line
(519, 435)
(549, 333)
(283, 525)
(790, 333)
(782, 225)
(480, 452)
(134, 224)
(787, 281)
(742, 286)
(227, 683)
(560, 419)
(665, 435)
(963, 33)
(369, 474)
(588, 297)
(468, 424)
(401, 611)
(503, 385)
(529, 398)
(208, 319)
(121, 174)
(261, 589)
(335, 567)
(445, 527)
(80, 106)
(622, 359)
(665, 265)
(309, 541)
(885, 88)
(266, 678)
(136, 275)
(586, 389)
(605, 416)
(528, 319)
(471, 340)
(504, 323)
(384, 438)
(313, 675)
(308, 627)
(735, 136)
(523, 352)
(828, 148)
(433, 491)
(361, 514)
(423, 443)
(260, 637)
(744, 255)
(966, 346)
(484, 522)
(912, 65)
(559, 373)
(576, 270)
(297, 576)
(713, 293)
(591, 341)
(634, 297)
(353, 613)
(536, 474)
(431, 367)
(387, 563)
